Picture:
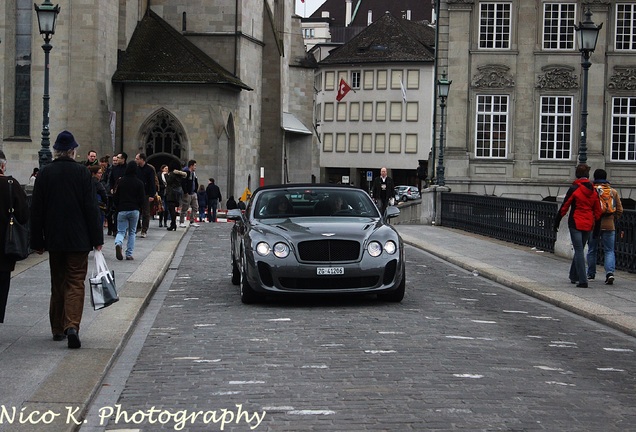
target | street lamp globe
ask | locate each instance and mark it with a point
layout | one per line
(587, 33)
(47, 16)
(443, 86)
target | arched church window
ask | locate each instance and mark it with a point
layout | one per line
(164, 135)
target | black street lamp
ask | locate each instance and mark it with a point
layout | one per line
(587, 35)
(443, 87)
(47, 15)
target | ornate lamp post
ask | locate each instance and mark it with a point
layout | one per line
(47, 15)
(587, 35)
(443, 87)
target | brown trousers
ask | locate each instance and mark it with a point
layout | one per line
(68, 276)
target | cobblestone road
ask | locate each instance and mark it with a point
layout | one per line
(459, 353)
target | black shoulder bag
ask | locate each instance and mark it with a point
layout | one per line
(16, 244)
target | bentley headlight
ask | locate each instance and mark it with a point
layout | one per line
(374, 248)
(263, 249)
(281, 250)
(390, 247)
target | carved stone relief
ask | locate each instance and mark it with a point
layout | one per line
(557, 78)
(624, 78)
(597, 2)
(493, 76)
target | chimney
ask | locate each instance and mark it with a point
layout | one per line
(347, 13)
(369, 17)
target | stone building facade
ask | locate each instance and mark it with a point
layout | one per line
(514, 109)
(244, 70)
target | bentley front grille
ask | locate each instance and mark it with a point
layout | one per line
(329, 250)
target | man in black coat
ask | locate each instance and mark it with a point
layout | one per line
(190, 187)
(383, 190)
(65, 220)
(116, 172)
(213, 193)
(147, 174)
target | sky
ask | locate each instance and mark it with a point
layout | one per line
(307, 8)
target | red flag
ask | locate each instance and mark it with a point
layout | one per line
(343, 89)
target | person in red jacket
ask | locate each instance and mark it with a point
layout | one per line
(585, 209)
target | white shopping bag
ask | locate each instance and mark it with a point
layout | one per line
(103, 288)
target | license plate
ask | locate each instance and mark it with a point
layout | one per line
(330, 271)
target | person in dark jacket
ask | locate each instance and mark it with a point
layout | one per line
(65, 221)
(202, 199)
(173, 193)
(129, 200)
(213, 194)
(100, 190)
(116, 172)
(231, 203)
(148, 176)
(21, 214)
(189, 199)
(162, 176)
(383, 190)
(583, 203)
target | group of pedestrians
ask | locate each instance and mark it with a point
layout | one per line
(180, 188)
(594, 206)
(71, 203)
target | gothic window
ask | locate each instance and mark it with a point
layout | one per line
(164, 136)
(556, 127)
(492, 126)
(558, 26)
(494, 25)
(624, 129)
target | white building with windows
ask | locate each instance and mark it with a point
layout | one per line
(385, 118)
(514, 109)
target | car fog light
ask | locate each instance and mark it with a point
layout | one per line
(263, 249)
(374, 249)
(390, 247)
(281, 250)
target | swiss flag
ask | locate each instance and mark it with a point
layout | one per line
(343, 89)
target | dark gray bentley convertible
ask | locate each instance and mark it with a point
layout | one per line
(311, 238)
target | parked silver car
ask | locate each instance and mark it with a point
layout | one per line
(406, 193)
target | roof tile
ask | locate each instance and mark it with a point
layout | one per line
(157, 53)
(389, 39)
